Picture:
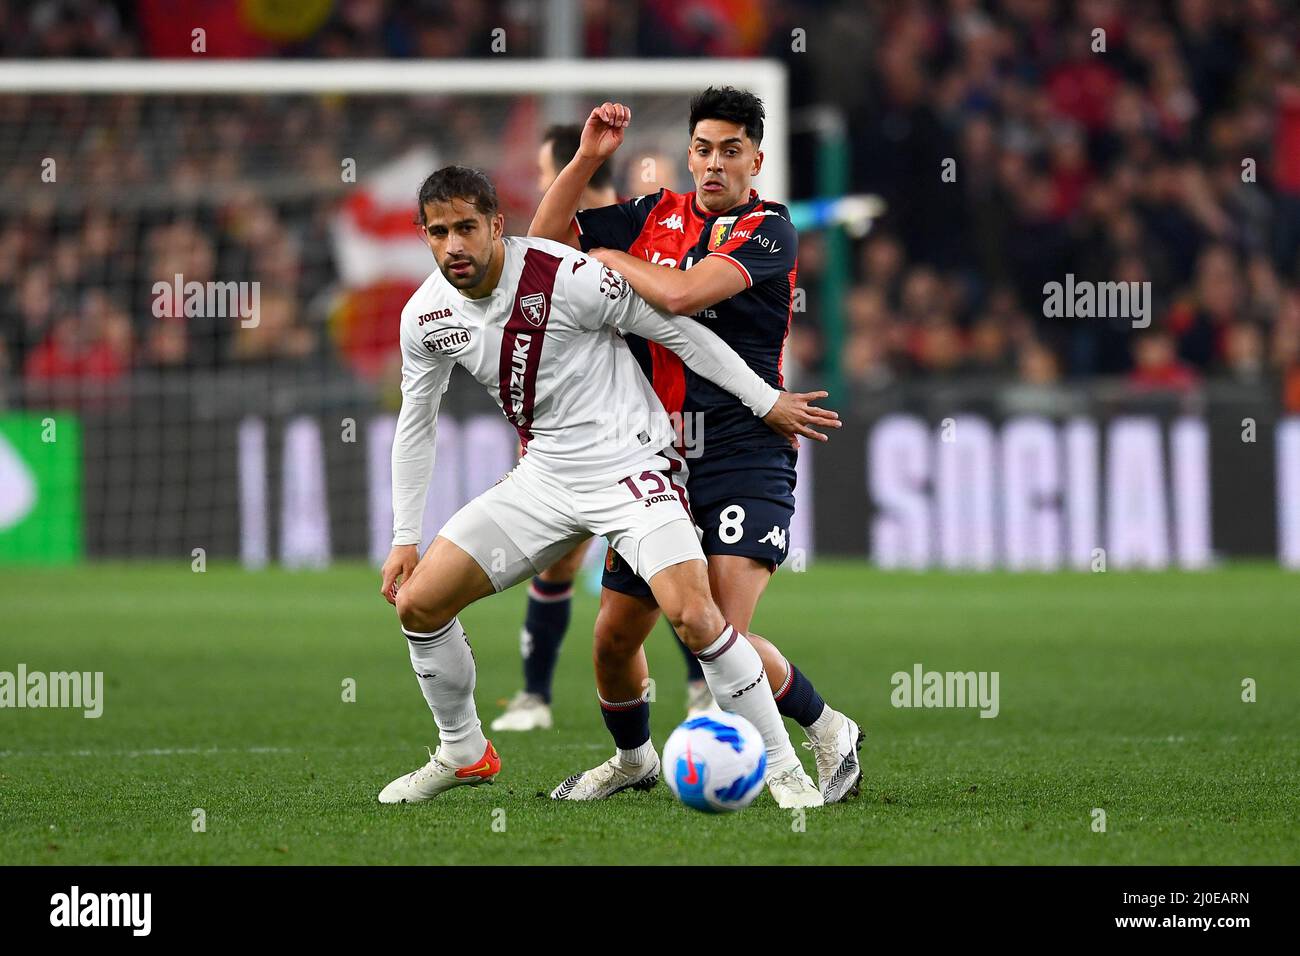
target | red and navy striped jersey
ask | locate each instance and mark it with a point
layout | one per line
(758, 239)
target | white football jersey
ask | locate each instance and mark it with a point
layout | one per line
(546, 345)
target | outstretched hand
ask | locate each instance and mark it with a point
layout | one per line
(794, 415)
(603, 132)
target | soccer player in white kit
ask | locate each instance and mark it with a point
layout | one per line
(538, 324)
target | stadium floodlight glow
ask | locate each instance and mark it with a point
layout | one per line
(602, 78)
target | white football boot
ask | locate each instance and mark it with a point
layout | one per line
(839, 773)
(525, 712)
(609, 778)
(699, 699)
(436, 776)
(792, 789)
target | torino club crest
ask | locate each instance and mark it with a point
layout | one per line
(533, 308)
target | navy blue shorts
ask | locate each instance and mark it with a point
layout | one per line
(743, 503)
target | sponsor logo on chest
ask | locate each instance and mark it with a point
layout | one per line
(434, 316)
(447, 341)
(658, 259)
(518, 370)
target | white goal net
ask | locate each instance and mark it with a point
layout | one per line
(201, 268)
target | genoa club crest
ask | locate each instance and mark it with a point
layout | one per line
(720, 231)
(533, 308)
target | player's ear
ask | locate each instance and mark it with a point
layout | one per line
(758, 163)
(498, 226)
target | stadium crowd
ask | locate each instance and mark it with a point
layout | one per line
(1137, 141)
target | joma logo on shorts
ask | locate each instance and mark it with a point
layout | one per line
(656, 499)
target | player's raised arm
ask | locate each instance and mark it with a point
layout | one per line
(601, 136)
(759, 246)
(424, 380)
(603, 296)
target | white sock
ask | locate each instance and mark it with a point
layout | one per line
(444, 665)
(732, 665)
(823, 722)
(634, 758)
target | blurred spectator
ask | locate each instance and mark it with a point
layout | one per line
(1038, 364)
(93, 345)
(1157, 366)
(649, 171)
(274, 332)
(1172, 157)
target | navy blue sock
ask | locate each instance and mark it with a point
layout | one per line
(693, 669)
(546, 621)
(798, 699)
(628, 722)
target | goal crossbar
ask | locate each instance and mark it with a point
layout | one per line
(766, 78)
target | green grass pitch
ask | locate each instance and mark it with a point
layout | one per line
(224, 692)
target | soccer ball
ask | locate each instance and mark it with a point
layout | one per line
(715, 763)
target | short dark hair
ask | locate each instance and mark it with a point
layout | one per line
(565, 139)
(458, 182)
(730, 104)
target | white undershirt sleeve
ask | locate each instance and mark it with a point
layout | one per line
(597, 295)
(702, 350)
(413, 452)
(425, 378)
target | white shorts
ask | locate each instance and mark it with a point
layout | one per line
(529, 519)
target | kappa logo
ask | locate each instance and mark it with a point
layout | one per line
(673, 222)
(759, 213)
(450, 341)
(533, 308)
(774, 537)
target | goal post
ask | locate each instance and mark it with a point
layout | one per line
(604, 78)
(204, 262)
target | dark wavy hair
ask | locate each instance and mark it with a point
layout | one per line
(735, 106)
(458, 182)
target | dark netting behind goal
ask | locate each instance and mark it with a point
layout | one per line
(199, 298)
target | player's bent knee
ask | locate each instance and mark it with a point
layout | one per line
(619, 639)
(697, 620)
(417, 615)
(614, 650)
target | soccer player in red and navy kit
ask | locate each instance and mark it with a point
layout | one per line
(731, 263)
